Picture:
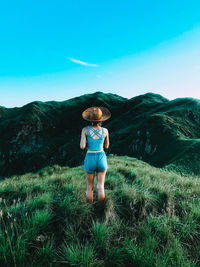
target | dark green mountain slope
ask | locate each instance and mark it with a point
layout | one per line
(149, 127)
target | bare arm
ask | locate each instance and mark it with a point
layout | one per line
(107, 143)
(83, 138)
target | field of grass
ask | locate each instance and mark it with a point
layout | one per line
(151, 217)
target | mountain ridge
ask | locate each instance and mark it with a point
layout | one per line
(149, 127)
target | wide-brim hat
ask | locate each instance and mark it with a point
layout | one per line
(96, 114)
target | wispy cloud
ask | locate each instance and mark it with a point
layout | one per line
(82, 62)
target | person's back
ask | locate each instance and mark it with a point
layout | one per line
(95, 159)
(95, 138)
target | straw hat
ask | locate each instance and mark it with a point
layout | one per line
(96, 114)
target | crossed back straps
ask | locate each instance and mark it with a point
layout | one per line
(96, 132)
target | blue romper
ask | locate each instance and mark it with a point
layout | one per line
(95, 161)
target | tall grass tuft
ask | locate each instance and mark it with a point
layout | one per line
(78, 255)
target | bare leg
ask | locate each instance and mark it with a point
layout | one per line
(100, 186)
(90, 186)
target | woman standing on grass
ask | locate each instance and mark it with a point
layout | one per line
(95, 159)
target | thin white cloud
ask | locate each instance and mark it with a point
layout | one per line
(82, 62)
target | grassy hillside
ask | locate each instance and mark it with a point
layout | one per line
(151, 217)
(148, 127)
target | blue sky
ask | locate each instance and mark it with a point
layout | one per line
(56, 50)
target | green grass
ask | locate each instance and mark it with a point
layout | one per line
(151, 217)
